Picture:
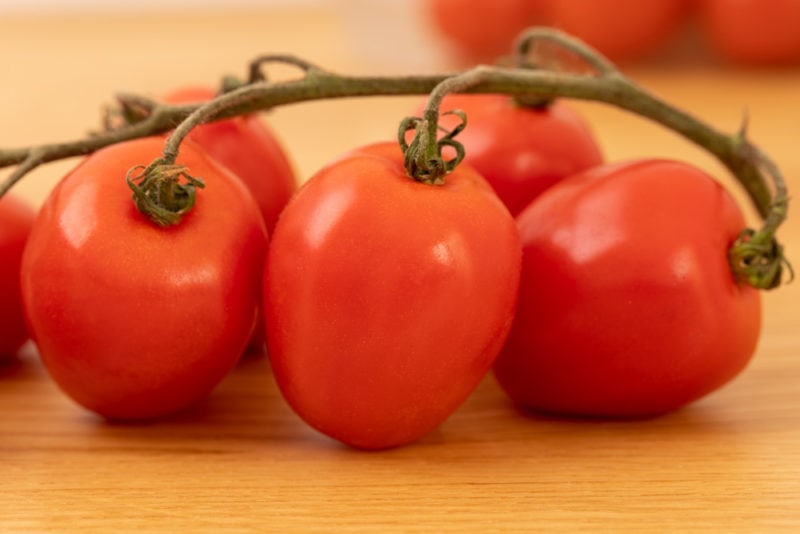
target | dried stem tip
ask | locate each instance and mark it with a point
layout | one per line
(159, 193)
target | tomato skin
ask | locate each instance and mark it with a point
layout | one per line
(249, 148)
(387, 300)
(521, 151)
(623, 30)
(627, 304)
(463, 24)
(755, 32)
(16, 220)
(134, 321)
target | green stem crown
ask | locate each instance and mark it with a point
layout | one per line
(159, 193)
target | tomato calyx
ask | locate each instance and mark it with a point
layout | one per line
(756, 258)
(758, 262)
(423, 156)
(159, 193)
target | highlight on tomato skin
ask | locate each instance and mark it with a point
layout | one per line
(16, 221)
(134, 321)
(627, 305)
(247, 146)
(387, 300)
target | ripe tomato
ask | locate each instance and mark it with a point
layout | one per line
(627, 304)
(16, 220)
(758, 32)
(482, 30)
(387, 300)
(248, 148)
(135, 321)
(623, 30)
(521, 151)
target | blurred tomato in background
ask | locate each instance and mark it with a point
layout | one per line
(753, 32)
(736, 32)
(623, 30)
(483, 30)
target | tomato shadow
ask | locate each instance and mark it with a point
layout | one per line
(693, 421)
(24, 365)
(14, 368)
(490, 418)
(245, 411)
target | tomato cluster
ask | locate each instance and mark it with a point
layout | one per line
(590, 288)
(747, 32)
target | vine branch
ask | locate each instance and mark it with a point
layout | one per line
(751, 166)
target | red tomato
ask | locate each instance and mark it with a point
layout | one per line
(16, 220)
(759, 32)
(521, 151)
(627, 304)
(132, 320)
(386, 299)
(623, 30)
(248, 148)
(482, 30)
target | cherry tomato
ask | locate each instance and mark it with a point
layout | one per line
(521, 151)
(623, 30)
(386, 299)
(757, 32)
(627, 304)
(250, 149)
(132, 320)
(16, 220)
(482, 30)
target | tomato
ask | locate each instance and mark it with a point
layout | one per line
(627, 304)
(386, 299)
(249, 148)
(482, 30)
(521, 151)
(135, 321)
(623, 30)
(758, 32)
(16, 220)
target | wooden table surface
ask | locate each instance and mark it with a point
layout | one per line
(242, 462)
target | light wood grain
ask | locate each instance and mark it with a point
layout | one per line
(242, 462)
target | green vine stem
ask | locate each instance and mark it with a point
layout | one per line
(756, 258)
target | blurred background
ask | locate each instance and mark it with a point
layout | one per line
(743, 32)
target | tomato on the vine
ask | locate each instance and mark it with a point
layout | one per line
(16, 220)
(627, 303)
(387, 299)
(521, 150)
(757, 32)
(133, 320)
(249, 148)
